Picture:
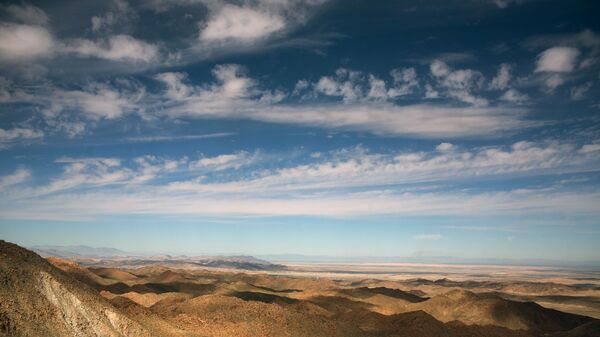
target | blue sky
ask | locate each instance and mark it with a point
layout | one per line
(343, 128)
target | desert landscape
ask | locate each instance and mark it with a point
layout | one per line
(242, 296)
(299, 168)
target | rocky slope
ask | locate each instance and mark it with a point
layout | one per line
(37, 299)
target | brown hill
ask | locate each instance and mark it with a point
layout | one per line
(158, 325)
(37, 299)
(76, 271)
(217, 315)
(512, 287)
(410, 324)
(490, 309)
(421, 324)
(169, 276)
(366, 292)
(113, 274)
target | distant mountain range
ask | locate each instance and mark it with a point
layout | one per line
(82, 252)
(70, 252)
(111, 257)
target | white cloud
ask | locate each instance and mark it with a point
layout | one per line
(9, 137)
(150, 167)
(553, 81)
(590, 148)
(514, 96)
(584, 46)
(501, 80)
(428, 237)
(71, 128)
(32, 40)
(377, 88)
(120, 14)
(326, 187)
(176, 89)
(23, 42)
(232, 82)
(439, 68)
(460, 83)
(225, 98)
(386, 119)
(405, 82)
(159, 201)
(465, 96)
(272, 97)
(97, 101)
(234, 27)
(240, 23)
(179, 137)
(355, 86)
(445, 147)
(224, 161)
(345, 84)
(19, 176)
(431, 93)
(27, 14)
(72, 112)
(300, 87)
(327, 86)
(557, 59)
(358, 168)
(235, 95)
(82, 172)
(578, 92)
(115, 48)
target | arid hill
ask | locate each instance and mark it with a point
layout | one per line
(37, 299)
(114, 274)
(62, 298)
(490, 309)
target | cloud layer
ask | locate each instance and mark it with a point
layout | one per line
(351, 182)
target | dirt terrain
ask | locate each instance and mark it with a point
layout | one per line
(58, 297)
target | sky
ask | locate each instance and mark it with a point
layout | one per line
(468, 129)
